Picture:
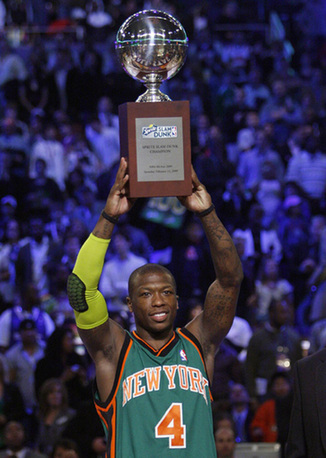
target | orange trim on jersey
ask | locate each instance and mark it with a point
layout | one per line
(201, 357)
(191, 341)
(99, 413)
(113, 403)
(105, 409)
(113, 423)
(149, 346)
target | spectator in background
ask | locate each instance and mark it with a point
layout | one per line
(22, 358)
(75, 180)
(256, 92)
(268, 153)
(238, 337)
(247, 154)
(8, 211)
(12, 70)
(59, 221)
(260, 241)
(272, 418)
(62, 361)
(293, 231)
(31, 262)
(86, 429)
(54, 414)
(103, 134)
(42, 191)
(9, 247)
(191, 266)
(12, 405)
(81, 156)
(140, 242)
(244, 307)
(14, 133)
(33, 92)
(51, 150)
(269, 193)
(14, 147)
(86, 85)
(308, 168)
(234, 119)
(227, 371)
(281, 110)
(242, 412)
(88, 207)
(15, 438)
(253, 158)
(225, 443)
(276, 346)
(235, 203)
(269, 286)
(211, 164)
(65, 448)
(28, 307)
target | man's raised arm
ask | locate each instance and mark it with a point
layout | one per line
(95, 328)
(212, 325)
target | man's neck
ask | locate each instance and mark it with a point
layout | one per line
(156, 341)
(30, 348)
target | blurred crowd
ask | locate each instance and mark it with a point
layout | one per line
(255, 79)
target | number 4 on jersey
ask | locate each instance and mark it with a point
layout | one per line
(171, 426)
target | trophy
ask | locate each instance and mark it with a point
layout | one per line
(154, 131)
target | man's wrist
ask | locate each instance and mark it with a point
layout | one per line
(111, 219)
(206, 212)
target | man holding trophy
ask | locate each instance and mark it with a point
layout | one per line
(152, 385)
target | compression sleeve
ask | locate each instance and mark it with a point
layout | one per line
(88, 303)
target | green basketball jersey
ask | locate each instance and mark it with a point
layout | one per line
(160, 404)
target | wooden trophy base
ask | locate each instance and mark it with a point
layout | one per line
(155, 139)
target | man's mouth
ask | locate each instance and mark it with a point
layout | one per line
(159, 316)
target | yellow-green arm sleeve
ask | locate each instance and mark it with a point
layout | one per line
(84, 281)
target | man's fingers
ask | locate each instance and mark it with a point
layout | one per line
(194, 177)
(122, 168)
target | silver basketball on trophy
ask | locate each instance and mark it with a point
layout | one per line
(152, 47)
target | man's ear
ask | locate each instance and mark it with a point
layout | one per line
(129, 304)
(177, 301)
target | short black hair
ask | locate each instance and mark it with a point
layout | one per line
(147, 269)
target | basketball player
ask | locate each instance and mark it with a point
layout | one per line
(152, 385)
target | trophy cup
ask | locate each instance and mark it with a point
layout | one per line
(154, 131)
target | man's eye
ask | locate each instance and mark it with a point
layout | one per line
(146, 294)
(168, 292)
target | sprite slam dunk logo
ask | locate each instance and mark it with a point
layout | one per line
(153, 131)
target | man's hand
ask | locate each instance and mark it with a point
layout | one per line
(117, 202)
(199, 200)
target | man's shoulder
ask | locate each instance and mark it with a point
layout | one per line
(5, 315)
(259, 333)
(313, 359)
(14, 351)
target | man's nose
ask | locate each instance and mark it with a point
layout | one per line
(158, 299)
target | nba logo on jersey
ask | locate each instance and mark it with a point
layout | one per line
(183, 355)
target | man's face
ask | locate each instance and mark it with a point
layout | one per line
(14, 435)
(154, 302)
(225, 443)
(281, 387)
(280, 316)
